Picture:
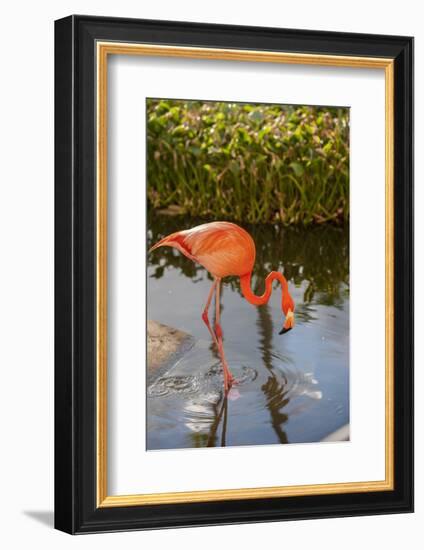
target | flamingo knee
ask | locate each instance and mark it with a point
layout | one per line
(205, 318)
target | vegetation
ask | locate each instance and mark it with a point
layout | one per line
(246, 162)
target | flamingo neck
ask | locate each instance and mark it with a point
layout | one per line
(286, 301)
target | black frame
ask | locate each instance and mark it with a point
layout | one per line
(75, 274)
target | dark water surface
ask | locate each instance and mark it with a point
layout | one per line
(292, 388)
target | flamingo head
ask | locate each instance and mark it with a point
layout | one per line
(288, 310)
(288, 323)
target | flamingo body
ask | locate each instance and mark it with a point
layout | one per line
(225, 249)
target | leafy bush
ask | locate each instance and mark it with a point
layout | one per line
(246, 162)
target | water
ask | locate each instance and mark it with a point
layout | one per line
(291, 388)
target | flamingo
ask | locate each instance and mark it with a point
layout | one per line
(225, 249)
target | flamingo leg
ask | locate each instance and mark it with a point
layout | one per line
(205, 316)
(228, 377)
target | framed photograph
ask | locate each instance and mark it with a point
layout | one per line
(234, 274)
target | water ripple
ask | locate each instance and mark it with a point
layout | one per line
(271, 393)
(167, 385)
(188, 384)
(290, 381)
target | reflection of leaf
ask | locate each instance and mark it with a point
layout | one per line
(158, 272)
(309, 293)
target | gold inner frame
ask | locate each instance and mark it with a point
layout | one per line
(104, 49)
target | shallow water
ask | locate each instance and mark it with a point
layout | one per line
(291, 388)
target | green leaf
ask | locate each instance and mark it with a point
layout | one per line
(297, 169)
(327, 147)
(256, 116)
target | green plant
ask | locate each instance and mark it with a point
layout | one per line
(245, 162)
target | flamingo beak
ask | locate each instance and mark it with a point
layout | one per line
(289, 322)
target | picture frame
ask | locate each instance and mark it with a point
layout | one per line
(83, 45)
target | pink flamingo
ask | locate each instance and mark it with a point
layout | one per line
(224, 249)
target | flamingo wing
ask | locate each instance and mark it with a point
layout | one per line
(223, 248)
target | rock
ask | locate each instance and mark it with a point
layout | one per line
(164, 345)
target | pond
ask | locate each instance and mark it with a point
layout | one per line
(291, 388)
